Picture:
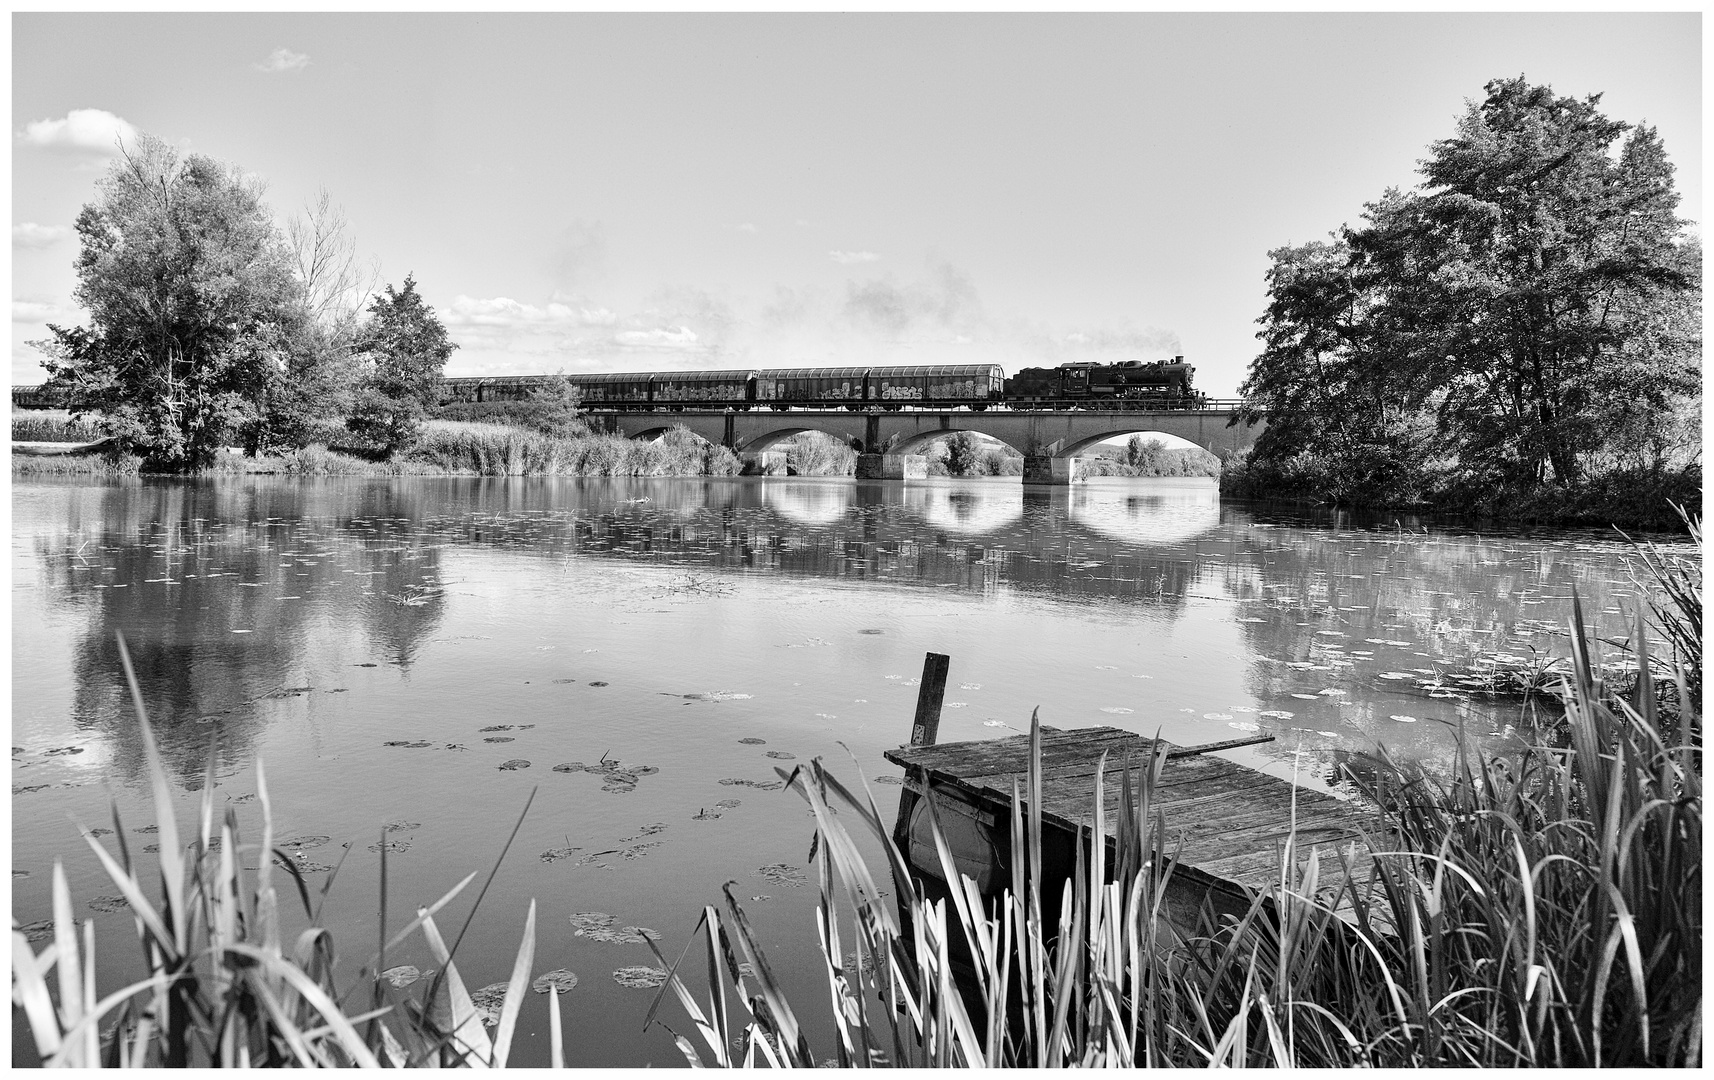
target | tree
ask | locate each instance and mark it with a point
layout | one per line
(316, 389)
(192, 304)
(1532, 303)
(404, 350)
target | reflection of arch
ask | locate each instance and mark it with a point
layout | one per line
(654, 434)
(917, 443)
(1171, 442)
(1160, 514)
(809, 502)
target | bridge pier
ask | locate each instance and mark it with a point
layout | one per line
(1047, 470)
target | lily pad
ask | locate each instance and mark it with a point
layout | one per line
(597, 682)
(488, 1001)
(728, 804)
(559, 979)
(753, 742)
(895, 780)
(1117, 710)
(403, 975)
(499, 739)
(554, 854)
(639, 978)
(782, 875)
(780, 755)
(705, 814)
(391, 845)
(514, 765)
(1405, 719)
(41, 930)
(304, 843)
(417, 744)
(401, 826)
(1277, 714)
(590, 920)
(109, 903)
(1216, 716)
(496, 727)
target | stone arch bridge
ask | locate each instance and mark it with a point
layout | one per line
(1050, 440)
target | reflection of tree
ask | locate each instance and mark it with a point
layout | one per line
(196, 676)
(219, 589)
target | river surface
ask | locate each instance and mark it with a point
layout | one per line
(419, 654)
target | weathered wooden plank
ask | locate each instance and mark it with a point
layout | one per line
(1227, 822)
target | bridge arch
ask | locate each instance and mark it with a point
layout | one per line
(1080, 446)
(775, 436)
(916, 444)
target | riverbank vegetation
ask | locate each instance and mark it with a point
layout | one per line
(1519, 337)
(1539, 908)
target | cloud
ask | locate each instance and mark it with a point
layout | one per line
(33, 237)
(81, 130)
(847, 258)
(946, 302)
(745, 227)
(675, 340)
(506, 313)
(281, 60)
(40, 312)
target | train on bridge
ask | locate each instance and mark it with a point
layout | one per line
(1132, 384)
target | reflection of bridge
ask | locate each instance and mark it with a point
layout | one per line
(1049, 440)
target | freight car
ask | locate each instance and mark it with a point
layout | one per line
(1133, 384)
(945, 385)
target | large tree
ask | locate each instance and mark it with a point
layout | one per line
(192, 301)
(1536, 298)
(404, 349)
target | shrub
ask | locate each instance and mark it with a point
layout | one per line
(813, 453)
(52, 427)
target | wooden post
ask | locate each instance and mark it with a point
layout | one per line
(924, 730)
(926, 727)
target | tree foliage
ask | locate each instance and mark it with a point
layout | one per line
(1530, 312)
(404, 349)
(192, 306)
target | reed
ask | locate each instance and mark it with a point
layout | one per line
(226, 987)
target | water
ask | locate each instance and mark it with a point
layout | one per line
(710, 630)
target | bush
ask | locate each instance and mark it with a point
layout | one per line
(812, 453)
(52, 427)
(546, 417)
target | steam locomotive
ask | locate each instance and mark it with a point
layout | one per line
(1132, 384)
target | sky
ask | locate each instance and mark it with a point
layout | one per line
(586, 192)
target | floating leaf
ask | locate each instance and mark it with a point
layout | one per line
(782, 875)
(412, 745)
(560, 979)
(1216, 716)
(590, 920)
(551, 854)
(753, 742)
(496, 727)
(391, 845)
(705, 814)
(401, 826)
(402, 976)
(624, 936)
(639, 978)
(41, 930)
(1277, 714)
(1243, 725)
(1329, 734)
(1306, 697)
(598, 682)
(1332, 692)
(499, 739)
(1405, 719)
(889, 780)
(970, 686)
(514, 765)
(305, 842)
(489, 1001)
(1117, 710)
(780, 755)
(109, 903)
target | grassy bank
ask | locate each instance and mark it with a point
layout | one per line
(1640, 499)
(1539, 909)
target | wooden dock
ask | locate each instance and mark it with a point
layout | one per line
(1227, 822)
